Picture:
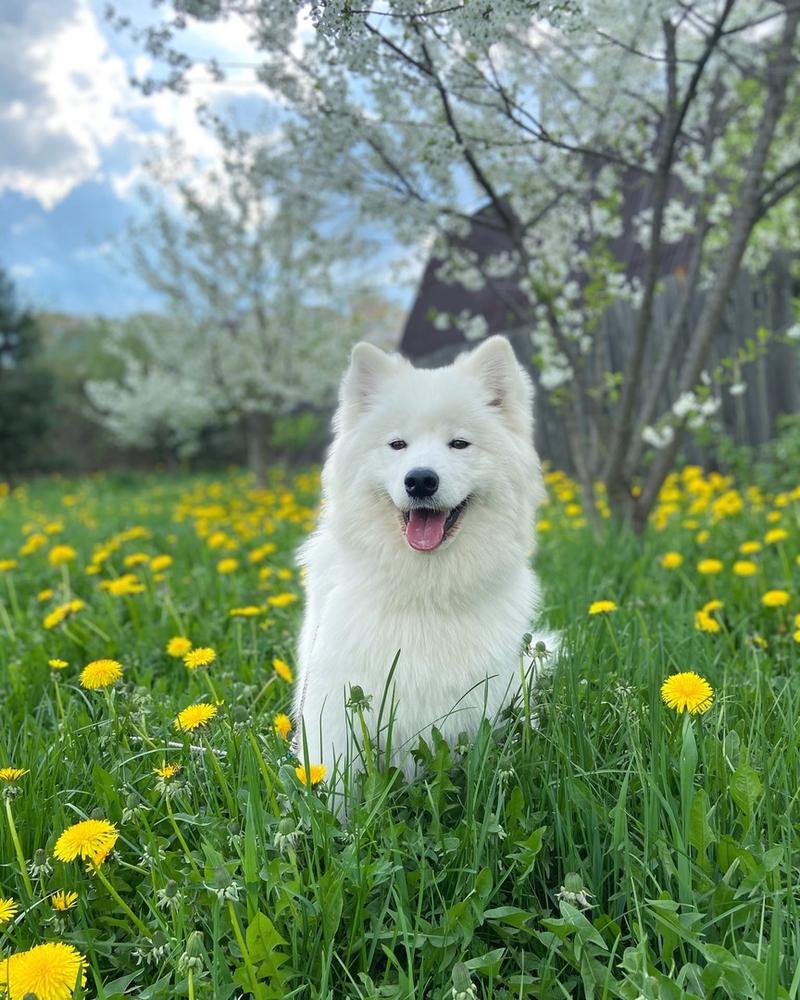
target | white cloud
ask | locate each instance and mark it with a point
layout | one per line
(68, 99)
(69, 102)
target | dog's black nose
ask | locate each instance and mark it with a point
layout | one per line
(421, 483)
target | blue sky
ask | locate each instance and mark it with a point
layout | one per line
(73, 137)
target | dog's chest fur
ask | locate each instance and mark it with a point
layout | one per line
(458, 655)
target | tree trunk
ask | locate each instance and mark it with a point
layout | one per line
(256, 432)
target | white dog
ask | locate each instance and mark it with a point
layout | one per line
(422, 552)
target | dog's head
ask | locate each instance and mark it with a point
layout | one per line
(443, 452)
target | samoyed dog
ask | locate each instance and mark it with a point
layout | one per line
(421, 560)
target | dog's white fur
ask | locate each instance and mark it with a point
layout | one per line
(457, 614)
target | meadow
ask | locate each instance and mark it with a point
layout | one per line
(157, 838)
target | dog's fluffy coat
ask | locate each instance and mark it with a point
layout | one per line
(456, 614)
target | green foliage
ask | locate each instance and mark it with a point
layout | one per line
(25, 388)
(772, 465)
(300, 435)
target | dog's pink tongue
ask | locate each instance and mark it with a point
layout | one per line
(425, 528)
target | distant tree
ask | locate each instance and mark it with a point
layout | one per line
(244, 257)
(25, 388)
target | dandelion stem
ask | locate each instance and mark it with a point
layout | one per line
(18, 849)
(221, 778)
(251, 972)
(262, 766)
(59, 702)
(139, 924)
(191, 985)
(613, 636)
(12, 597)
(180, 837)
(170, 605)
(7, 622)
(211, 687)
(263, 691)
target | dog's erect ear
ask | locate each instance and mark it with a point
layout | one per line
(508, 385)
(369, 366)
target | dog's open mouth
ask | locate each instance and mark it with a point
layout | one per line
(426, 528)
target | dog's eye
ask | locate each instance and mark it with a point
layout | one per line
(397, 445)
(459, 443)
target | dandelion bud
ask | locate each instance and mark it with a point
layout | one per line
(40, 866)
(286, 835)
(463, 987)
(575, 892)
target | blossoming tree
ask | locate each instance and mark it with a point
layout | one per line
(577, 123)
(251, 268)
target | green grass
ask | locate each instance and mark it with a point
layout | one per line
(683, 833)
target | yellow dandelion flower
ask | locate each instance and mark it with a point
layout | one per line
(282, 600)
(9, 908)
(262, 552)
(709, 566)
(544, 525)
(283, 670)
(48, 972)
(123, 586)
(167, 771)
(136, 559)
(743, 567)
(194, 716)
(312, 776)
(7, 564)
(91, 838)
(201, 657)
(602, 607)
(178, 646)
(33, 544)
(248, 611)
(704, 622)
(62, 900)
(13, 773)
(227, 566)
(713, 605)
(687, 692)
(56, 616)
(100, 674)
(45, 595)
(776, 535)
(796, 636)
(775, 598)
(282, 724)
(159, 563)
(702, 536)
(57, 664)
(61, 554)
(750, 548)
(671, 560)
